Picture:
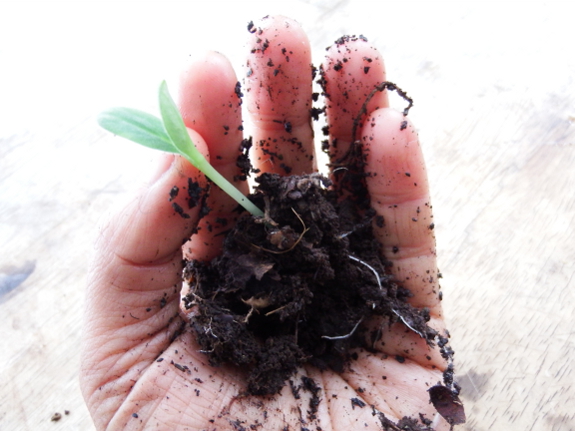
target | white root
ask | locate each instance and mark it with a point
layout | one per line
(343, 337)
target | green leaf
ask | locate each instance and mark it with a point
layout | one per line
(137, 126)
(176, 129)
(168, 134)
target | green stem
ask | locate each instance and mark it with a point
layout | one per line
(168, 134)
(176, 130)
(218, 179)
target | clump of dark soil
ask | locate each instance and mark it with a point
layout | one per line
(294, 286)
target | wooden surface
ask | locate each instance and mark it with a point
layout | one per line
(494, 90)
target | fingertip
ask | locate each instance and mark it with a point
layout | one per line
(351, 71)
(274, 26)
(394, 158)
(278, 76)
(202, 69)
(279, 96)
(356, 59)
(210, 103)
(201, 57)
(398, 187)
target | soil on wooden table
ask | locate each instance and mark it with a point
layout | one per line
(294, 286)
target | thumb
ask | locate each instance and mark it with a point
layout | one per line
(157, 221)
(134, 282)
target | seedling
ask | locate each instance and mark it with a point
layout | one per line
(168, 134)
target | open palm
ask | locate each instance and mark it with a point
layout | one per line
(141, 366)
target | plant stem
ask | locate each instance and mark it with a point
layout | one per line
(218, 179)
(176, 130)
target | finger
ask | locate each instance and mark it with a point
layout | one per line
(132, 299)
(279, 95)
(399, 191)
(210, 104)
(150, 230)
(351, 71)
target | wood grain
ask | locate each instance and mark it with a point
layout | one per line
(494, 98)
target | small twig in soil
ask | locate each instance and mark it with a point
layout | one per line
(305, 229)
(343, 337)
(255, 305)
(269, 313)
(386, 85)
(247, 318)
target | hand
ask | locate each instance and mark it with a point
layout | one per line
(141, 366)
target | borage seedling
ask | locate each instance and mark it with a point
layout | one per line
(168, 134)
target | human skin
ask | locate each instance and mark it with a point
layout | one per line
(133, 315)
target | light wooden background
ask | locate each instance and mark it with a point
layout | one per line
(494, 87)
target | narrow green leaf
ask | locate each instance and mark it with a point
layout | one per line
(176, 129)
(138, 126)
(168, 134)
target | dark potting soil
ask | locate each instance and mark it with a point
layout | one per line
(294, 286)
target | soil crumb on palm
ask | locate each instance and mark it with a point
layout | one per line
(295, 286)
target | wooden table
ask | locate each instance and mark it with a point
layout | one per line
(494, 90)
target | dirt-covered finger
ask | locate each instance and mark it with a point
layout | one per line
(210, 103)
(133, 293)
(351, 71)
(151, 228)
(278, 95)
(398, 187)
